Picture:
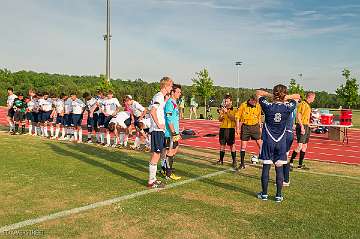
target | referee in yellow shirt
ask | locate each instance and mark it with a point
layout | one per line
(248, 125)
(227, 130)
(303, 130)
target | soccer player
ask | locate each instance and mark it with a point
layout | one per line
(111, 106)
(248, 125)
(77, 112)
(99, 117)
(227, 131)
(172, 133)
(60, 111)
(29, 109)
(157, 130)
(19, 106)
(138, 112)
(52, 120)
(273, 149)
(68, 117)
(45, 104)
(91, 105)
(303, 130)
(120, 125)
(11, 112)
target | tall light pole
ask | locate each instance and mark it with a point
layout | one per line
(107, 38)
(238, 64)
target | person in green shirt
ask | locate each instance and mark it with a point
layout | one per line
(19, 116)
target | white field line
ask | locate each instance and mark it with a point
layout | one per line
(73, 211)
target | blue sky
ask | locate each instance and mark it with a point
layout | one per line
(276, 39)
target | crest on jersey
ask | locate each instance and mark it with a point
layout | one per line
(277, 117)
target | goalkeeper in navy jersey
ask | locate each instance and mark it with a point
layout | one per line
(19, 107)
(274, 147)
(172, 136)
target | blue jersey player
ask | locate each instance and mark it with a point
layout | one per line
(274, 149)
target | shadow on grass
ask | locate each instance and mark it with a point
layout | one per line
(68, 149)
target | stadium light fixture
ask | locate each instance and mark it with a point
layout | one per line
(238, 64)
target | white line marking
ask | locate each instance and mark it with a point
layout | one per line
(69, 212)
(330, 174)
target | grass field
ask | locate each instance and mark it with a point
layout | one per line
(40, 177)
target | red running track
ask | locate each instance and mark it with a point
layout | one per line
(320, 147)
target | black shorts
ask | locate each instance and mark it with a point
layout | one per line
(59, 119)
(169, 142)
(303, 138)
(107, 120)
(157, 141)
(29, 116)
(19, 116)
(35, 116)
(76, 120)
(11, 113)
(101, 120)
(250, 132)
(67, 120)
(45, 116)
(227, 136)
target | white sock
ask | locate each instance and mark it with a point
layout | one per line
(63, 132)
(152, 172)
(122, 138)
(89, 136)
(30, 128)
(97, 136)
(46, 131)
(108, 139)
(137, 142)
(51, 130)
(75, 135)
(126, 140)
(102, 138)
(11, 126)
(115, 140)
(57, 131)
(80, 135)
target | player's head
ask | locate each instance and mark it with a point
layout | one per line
(176, 91)
(87, 96)
(228, 101)
(31, 92)
(111, 127)
(46, 95)
(40, 95)
(128, 100)
(100, 93)
(141, 125)
(52, 96)
(279, 92)
(252, 100)
(10, 91)
(20, 96)
(166, 83)
(62, 96)
(73, 96)
(110, 94)
(310, 96)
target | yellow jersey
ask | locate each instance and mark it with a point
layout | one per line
(249, 115)
(226, 121)
(305, 110)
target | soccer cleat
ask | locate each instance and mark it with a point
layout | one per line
(106, 145)
(279, 198)
(114, 145)
(220, 162)
(162, 173)
(285, 184)
(89, 141)
(291, 167)
(303, 167)
(174, 177)
(262, 196)
(156, 184)
(242, 166)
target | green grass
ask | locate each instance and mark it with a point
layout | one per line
(39, 177)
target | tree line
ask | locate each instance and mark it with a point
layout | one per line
(203, 88)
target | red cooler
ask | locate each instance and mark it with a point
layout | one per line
(326, 119)
(345, 117)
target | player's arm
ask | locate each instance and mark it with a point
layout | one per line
(262, 93)
(231, 115)
(292, 97)
(299, 119)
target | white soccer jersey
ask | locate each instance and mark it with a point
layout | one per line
(158, 102)
(90, 103)
(120, 118)
(77, 106)
(10, 100)
(68, 106)
(100, 102)
(45, 105)
(59, 106)
(137, 109)
(146, 122)
(110, 105)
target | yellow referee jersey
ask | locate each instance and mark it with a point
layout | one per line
(249, 115)
(227, 122)
(305, 110)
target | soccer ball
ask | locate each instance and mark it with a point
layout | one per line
(254, 159)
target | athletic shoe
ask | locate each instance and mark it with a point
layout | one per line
(156, 184)
(242, 166)
(79, 141)
(220, 162)
(279, 198)
(89, 141)
(114, 145)
(173, 177)
(285, 184)
(106, 145)
(291, 167)
(162, 173)
(262, 196)
(303, 167)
